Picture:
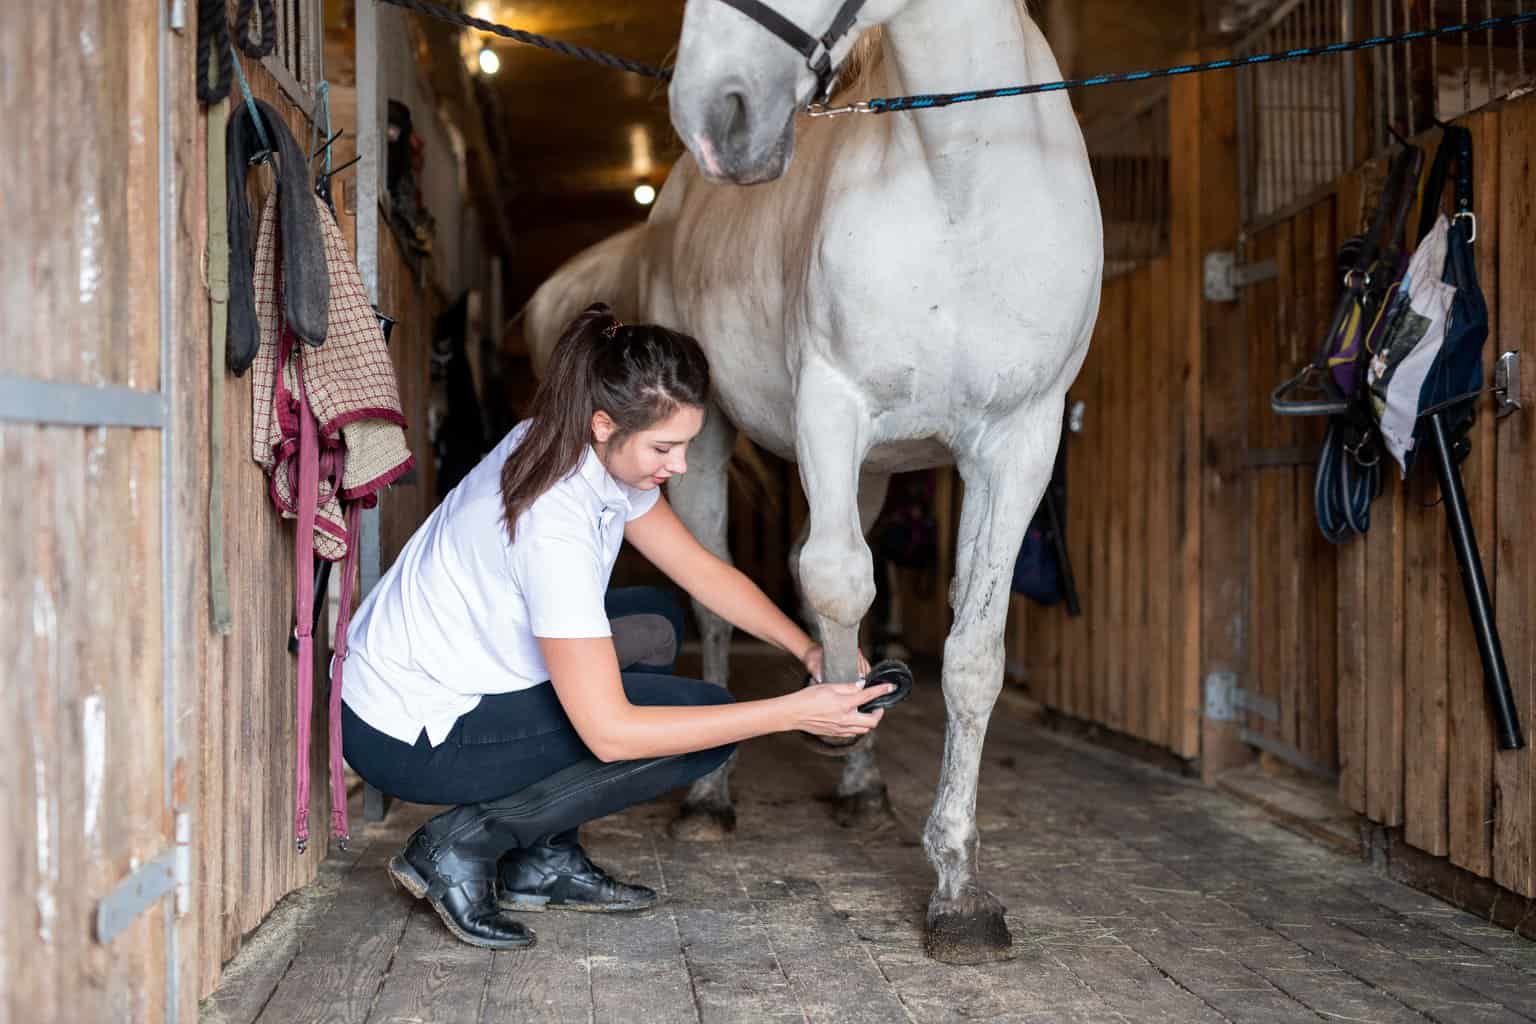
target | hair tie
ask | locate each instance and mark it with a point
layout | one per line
(613, 328)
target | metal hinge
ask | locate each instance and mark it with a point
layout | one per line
(1225, 700)
(1223, 277)
(171, 872)
(1506, 384)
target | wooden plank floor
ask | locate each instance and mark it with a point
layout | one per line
(1132, 896)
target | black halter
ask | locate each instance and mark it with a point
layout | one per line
(817, 52)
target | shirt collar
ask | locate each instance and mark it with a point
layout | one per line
(605, 489)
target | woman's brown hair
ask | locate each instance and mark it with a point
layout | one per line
(639, 374)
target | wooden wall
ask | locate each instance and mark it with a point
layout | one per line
(244, 729)
(1366, 648)
(83, 721)
(82, 716)
(1364, 651)
(1125, 662)
(1291, 567)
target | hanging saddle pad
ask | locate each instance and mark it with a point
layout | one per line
(349, 383)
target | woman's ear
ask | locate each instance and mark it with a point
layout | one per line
(602, 427)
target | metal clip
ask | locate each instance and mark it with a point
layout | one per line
(1506, 384)
(1076, 416)
(822, 110)
(1467, 215)
(1357, 280)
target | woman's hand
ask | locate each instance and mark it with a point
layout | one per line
(812, 661)
(832, 709)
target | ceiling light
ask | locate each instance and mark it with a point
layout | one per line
(483, 10)
(645, 195)
(489, 62)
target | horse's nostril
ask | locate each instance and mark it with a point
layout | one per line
(731, 115)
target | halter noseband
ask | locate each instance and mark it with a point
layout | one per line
(816, 51)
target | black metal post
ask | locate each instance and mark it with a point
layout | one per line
(1057, 522)
(1501, 699)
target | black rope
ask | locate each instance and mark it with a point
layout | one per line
(266, 42)
(607, 60)
(213, 45)
(887, 104)
(213, 42)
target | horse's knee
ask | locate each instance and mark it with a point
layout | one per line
(838, 578)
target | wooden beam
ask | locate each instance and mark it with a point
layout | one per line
(1202, 115)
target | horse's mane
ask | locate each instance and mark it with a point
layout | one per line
(861, 70)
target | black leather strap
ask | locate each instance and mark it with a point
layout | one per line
(841, 23)
(1455, 152)
(800, 40)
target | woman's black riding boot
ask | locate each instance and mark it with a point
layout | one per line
(451, 862)
(555, 873)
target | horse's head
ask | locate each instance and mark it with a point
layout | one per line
(744, 67)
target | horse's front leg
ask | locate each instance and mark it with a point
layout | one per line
(835, 571)
(1005, 475)
(862, 800)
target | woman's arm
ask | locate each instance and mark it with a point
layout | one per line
(585, 674)
(722, 588)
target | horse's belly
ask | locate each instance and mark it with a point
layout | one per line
(905, 456)
(758, 400)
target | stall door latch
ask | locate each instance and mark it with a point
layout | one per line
(1223, 277)
(1225, 701)
(170, 873)
(1506, 384)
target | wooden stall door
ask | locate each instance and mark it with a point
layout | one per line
(88, 928)
(1287, 698)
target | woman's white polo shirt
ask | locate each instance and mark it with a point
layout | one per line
(457, 614)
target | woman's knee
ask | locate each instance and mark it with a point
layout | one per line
(647, 625)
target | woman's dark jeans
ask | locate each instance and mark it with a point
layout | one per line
(513, 740)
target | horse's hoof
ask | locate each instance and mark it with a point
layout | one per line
(868, 810)
(703, 823)
(837, 748)
(967, 930)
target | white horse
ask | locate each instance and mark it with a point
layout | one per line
(910, 290)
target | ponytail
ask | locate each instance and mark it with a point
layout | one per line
(639, 374)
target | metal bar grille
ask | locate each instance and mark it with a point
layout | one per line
(1297, 122)
(296, 62)
(1292, 124)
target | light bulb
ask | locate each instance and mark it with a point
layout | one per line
(645, 195)
(489, 62)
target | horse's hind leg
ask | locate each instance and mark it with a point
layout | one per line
(700, 500)
(1005, 474)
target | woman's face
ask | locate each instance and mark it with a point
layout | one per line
(648, 457)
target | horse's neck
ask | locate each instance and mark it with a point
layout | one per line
(943, 46)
